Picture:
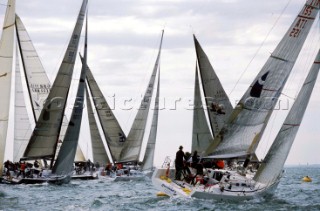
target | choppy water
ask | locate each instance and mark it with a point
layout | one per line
(103, 194)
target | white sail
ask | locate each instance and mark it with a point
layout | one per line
(242, 132)
(218, 104)
(273, 163)
(147, 163)
(201, 135)
(37, 80)
(6, 63)
(99, 152)
(22, 125)
(132, 147)
(113, 133)
(35, 75)
(46, 133)
(67, 153)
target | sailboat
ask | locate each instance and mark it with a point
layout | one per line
(239, 137)
(130, 153)
(45, 137)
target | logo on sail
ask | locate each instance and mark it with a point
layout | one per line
(258, 86)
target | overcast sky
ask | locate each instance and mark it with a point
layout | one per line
(124, 35)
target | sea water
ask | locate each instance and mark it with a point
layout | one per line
(105, 194)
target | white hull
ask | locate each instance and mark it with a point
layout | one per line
(244, 190)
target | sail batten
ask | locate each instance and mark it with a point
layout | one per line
(6, 65)
(257, 103)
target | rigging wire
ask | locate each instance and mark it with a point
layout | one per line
(259, 48)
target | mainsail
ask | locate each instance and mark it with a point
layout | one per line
(45, 136)
(65, 159)
(201, 135)
(6, 63)
(113, 133)
(99, 152)
(273, 163)
(148, 158)
(132, 147)
(242, 132)
(218, 104)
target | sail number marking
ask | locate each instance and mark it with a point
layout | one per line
(302, 21)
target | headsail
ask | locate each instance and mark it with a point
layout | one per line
(99, 152)
(36, 77)
(6, 62)
(201, 135)
(132, 147)
(218, 104)
(65, 159)
(22, 125)
(147, 163)
(113, 133)
(46, 133)
(242, 132)
(273, 163)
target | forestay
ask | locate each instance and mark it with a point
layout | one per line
(242, 132)
(46, 133)
(6, 63)
(131, 150)
(273, 163)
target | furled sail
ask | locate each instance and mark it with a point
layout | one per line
(242, 132)
(67, 153)
(201, 135)
(218, 104)
(132, 147)
(99, 152)
(147, 163)
(45, 136)
(6, 63)
(113, 133)
(273, 163)
(22, 125)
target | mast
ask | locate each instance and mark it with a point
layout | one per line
(45, 136)
(65, 159)
(132, 147)
(242, 132)
(272, 166)
(6, 63)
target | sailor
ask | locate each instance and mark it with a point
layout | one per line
(22, 168)
(179, 163)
